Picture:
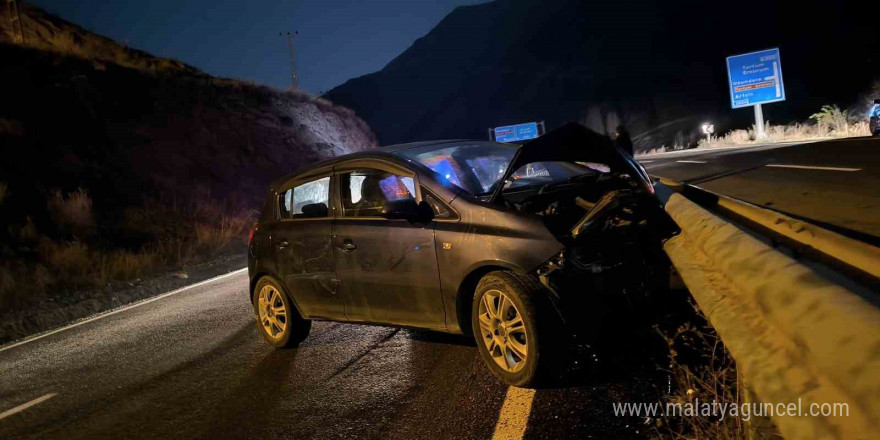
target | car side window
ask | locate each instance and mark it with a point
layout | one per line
(441, 211)
(366, 192)
(307, 200)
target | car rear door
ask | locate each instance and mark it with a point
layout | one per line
(302, 246)
(387, 269)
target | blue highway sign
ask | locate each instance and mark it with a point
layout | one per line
(518, 132)
(755, 78)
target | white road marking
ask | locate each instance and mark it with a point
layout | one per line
(691, 161)
(773, 145)
(25, 406)
(646, 161)
(810, 167)
(121, 309)
(514, 415)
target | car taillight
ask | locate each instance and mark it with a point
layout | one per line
(251, 235)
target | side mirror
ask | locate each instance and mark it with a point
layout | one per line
(408, 209)
(315, 210)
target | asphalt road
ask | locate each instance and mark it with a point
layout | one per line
(192, 365)
(834, 182)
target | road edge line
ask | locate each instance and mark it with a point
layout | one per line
(513, 418)
(27, 405)
(118, 310)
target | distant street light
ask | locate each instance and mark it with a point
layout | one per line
(708, 129)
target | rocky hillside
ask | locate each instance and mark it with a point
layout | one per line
(116, 165)
(68, 122)
(659, 67)
(79, 109)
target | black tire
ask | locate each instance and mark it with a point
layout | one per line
(541, 324)
(296, 329)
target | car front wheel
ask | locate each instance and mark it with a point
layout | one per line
(277, 319)
(505, 319)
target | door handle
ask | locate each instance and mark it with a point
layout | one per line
(283, 244)
(347, 246)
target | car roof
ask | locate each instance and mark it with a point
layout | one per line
(387, 151)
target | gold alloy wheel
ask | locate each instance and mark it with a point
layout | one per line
(273, 314)
(503, 331)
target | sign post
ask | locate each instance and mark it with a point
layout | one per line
(759, 122)
(755, 79)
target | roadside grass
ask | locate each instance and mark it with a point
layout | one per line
(829, 123)
(700, 367)
(70, 255)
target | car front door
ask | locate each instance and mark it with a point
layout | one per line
(387, 268)
(303, 249)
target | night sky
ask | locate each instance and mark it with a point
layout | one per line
(338, 39)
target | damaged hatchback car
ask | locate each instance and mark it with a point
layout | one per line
(522, 247)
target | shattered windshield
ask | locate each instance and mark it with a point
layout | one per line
(477, 167)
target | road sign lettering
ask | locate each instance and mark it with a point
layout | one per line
(755, 78)
(518, 132)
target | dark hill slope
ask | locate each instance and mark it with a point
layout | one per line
(116, 165)
(80, 110)
(649, 64)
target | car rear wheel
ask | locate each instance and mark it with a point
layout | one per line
(505, 319)
(277, 319)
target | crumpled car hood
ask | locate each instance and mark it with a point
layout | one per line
(575, 143)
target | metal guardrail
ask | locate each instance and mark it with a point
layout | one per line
(798, 336)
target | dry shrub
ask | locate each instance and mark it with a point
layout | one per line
(181, 232)
(831, 119)
(8, 285)
(69, 261)
(733, 137)
(829, 122)
(222, 233)
(72, 214)
(27, 233)
(174, 251)
(700, 368)
(74, 264)
(21, 284)
(170, 234)
(122, 265)
(860, 128)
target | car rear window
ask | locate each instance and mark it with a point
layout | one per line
(310, 199)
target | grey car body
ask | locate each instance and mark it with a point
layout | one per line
(422, 273)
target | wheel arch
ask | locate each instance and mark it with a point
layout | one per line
(253, 283)
(256, 279)
(467, 288)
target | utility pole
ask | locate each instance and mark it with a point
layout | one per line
(294, 79)
(15, 21)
